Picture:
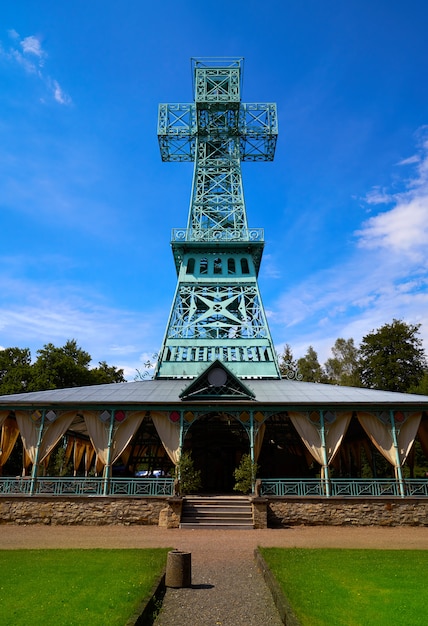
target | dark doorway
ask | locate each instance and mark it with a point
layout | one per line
(217, 443)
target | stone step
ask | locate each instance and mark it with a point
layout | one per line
(239, 508)
(217, 512)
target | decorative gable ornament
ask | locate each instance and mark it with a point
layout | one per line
(218, 382)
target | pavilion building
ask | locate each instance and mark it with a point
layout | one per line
(217, 390)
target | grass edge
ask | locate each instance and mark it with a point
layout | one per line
(149, 607)
(281, 602)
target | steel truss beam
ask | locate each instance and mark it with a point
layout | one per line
(213, 318)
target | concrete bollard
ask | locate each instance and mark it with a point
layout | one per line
(178, 569)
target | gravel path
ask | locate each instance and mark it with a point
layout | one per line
(227, 588)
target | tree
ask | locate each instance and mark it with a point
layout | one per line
(288, 364)
(342, 368)
(310, 369)
(58, 368)
(392, 357)
(104, 374)
(422, 387)
(15, 370)
(54, 368)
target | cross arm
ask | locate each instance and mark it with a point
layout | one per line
(258, 129)
(177, 130)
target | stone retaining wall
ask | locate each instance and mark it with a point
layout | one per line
(166, 512)
(282, 512)
(97, 511)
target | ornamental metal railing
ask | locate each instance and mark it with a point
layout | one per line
(344, 487)
(96, 486)
(217, 234)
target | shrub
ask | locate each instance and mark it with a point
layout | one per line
(189, 478)
(245, 475)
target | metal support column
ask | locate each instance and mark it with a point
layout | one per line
(182, 436)
(253, 478)
(325, 478)
(34, 469)
(107, 469)
(399, 469)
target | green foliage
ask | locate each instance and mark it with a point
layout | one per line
(333, 586)
(310, 369)
(57, 465)
(189, 478)
(287, 363)
(54, 368)
(15, 370)
(422, 387)
(342, 368)
(245, 475)
(78, 587)
(392, 357)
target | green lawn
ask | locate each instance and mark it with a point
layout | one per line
(353, 587)
(71, 587)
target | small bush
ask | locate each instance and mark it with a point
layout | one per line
(189, 478)
(245, 475)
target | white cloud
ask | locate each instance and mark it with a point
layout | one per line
(385, 276)
(32, 45)
(403, 228)
(33, 313)
(59, 95)
(29, 54)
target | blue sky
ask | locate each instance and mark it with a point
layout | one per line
(87, 206)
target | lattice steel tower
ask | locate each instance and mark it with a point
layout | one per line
(217, 312)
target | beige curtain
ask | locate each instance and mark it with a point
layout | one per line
(423, 436)
(9, 435)
(169, 433)
(311, 437)
(126, 454)
(380, 435)
(122, 434)
(3, 417)
(52, 433)
(29, 435)
(78, 451)
(89, 455)
(258, 442)
(69, 449)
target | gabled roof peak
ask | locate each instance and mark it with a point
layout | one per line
(218, 382)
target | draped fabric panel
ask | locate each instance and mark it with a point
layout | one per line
(3, 417)
(9, 435)
(126, 454)
(78, 451)
(407, 434)
(122, 434)
(69, 449)
(258, 440)
(29, 435)
(380, 435)
(311, 436)
(89, 455)
(423, 436)
(169, 433)
(52, 433)
(98, 432)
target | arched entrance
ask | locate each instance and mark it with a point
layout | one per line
(217, 443)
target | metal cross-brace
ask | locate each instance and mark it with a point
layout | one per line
(217, 311)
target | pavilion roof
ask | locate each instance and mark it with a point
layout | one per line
(289, 393)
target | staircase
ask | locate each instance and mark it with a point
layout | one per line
(217, 512)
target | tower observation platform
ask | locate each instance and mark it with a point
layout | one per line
(217, 312)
